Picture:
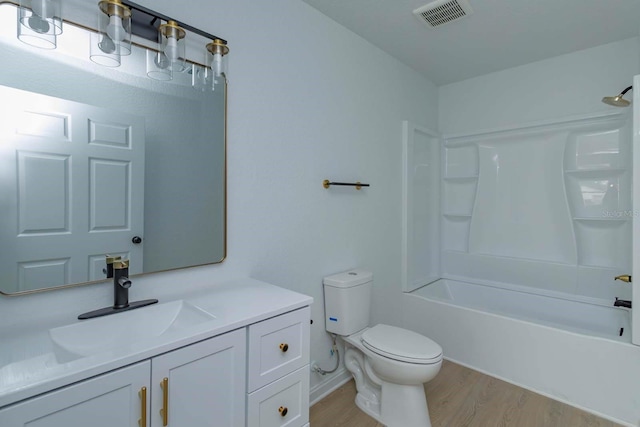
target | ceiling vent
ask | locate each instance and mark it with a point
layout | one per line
(440, 12)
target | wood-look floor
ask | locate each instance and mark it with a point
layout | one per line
(459, 397)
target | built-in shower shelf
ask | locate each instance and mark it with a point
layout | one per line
(595, 172)
(602, 219)
(456, 215)
(461, 178)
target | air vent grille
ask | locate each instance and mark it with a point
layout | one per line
(440, 12)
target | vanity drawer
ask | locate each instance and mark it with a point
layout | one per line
(278, 346)
(284, 402)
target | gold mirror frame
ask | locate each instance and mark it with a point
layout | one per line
(224, 184)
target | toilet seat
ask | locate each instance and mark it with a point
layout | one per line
(401, 344)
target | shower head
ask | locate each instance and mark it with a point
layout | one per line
(618, 100)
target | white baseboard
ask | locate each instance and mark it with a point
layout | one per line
(321, 390)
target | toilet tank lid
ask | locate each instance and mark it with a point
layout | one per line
(348, 279)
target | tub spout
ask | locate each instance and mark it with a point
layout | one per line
(622, 303)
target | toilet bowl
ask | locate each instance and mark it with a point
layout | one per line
(389, 387)
(389, 364)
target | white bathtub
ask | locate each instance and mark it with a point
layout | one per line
(570, 351)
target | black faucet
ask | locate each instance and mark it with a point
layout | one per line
(121, 284)
(622, 303)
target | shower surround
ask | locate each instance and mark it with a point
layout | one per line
(546, 207)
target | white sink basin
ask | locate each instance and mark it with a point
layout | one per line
(120, 330)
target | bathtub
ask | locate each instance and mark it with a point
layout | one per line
(575, 352)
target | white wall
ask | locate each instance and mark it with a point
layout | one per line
(566, 85)
(308, 100)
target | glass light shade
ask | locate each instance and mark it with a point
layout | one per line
(171, 41)
(39, 22)
(217, 60)
(104, 51)
(201, 77)
(114, 21)
(158, 66)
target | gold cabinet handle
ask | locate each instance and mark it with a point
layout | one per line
(164, 412)
(142, 422)
(283, 411)
(624, 278)
(284, 347)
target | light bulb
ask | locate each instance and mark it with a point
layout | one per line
(217, 64)
(42, 8)
(115, 30)
(39, 25)
(162, 61)
(107, 45)
(172, 50)
(38, 20)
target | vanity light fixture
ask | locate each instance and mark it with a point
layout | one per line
(113, 38)
(171, 42)
(217, 60)
(40, 22)
(171, 54)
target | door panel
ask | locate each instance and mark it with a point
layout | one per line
(59, 149)
(44, 181)
(109, 186)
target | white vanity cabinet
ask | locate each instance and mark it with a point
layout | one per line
(201, 384)
(278, 382)
(236, 356)
(109, 400)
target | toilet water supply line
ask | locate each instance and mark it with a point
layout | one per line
(334, 349)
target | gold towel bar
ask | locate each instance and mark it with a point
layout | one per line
(326, 184)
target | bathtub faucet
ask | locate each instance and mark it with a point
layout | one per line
(622, 303)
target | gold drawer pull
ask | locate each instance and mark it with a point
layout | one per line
(283, 411)
(164, 412)
(142, 422)
(284, 347)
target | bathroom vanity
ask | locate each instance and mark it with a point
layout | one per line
(236, 355)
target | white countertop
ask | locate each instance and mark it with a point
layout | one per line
(28, 365)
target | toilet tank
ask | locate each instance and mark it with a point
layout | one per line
(347, 301)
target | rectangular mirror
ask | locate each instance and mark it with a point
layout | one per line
(97, 160)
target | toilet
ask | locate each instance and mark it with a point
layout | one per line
(389, 364)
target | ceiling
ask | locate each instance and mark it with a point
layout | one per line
(500, 34)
